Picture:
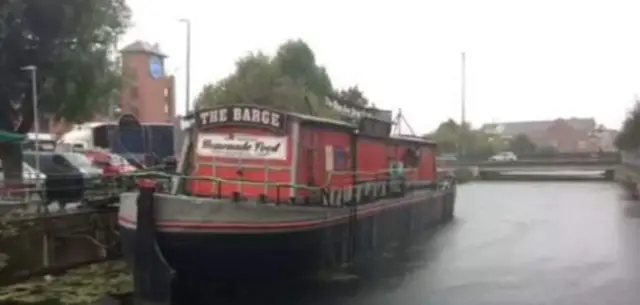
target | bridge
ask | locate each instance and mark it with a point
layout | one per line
(541, 162)
(605, 163)
(548, 165)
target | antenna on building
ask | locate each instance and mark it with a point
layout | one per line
(397, 129)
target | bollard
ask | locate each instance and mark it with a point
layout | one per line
(152, 276)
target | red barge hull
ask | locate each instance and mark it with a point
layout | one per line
(226, 251)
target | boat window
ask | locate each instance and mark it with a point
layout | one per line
(411, 157)
(340, 159)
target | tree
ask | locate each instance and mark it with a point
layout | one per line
(289, 81)
(70, 43)
(522, 145)
(547, 150)
(296, 60)
(629, 136)
(447, 136)
(352, 97)
(476, 143)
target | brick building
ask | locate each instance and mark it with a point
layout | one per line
(148, 93)
(565, 135)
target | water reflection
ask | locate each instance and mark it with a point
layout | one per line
(511, 243)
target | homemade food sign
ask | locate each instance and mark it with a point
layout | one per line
(239, 145)
(241, 115)
(242, 146)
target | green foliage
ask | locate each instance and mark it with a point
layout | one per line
(296, 60)
(6, 230)
(449, 135)
(464, 174)
(290, 81)
(522, 145)
(629, 136)
(71, 43)
(351, 97)
(86, 285)
(548, 150)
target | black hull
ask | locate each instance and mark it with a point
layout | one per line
(236, 256)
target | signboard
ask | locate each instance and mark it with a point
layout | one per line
(241, 115)
(360, 112)
(242, 146)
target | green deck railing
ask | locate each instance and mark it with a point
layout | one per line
(315, 195)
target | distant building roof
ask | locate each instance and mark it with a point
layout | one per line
(140, 46)
(531, 127)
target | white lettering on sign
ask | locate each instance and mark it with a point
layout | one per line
(240, 114)
(242, 146)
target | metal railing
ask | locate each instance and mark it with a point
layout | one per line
(364, 191)
(39, 195)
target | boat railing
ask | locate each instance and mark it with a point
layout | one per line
(382, 185)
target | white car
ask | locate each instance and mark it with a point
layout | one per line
(504, 156)
(30, 175)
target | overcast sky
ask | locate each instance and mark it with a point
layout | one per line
(526, 60)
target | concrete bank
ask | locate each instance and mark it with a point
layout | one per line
(35, 245)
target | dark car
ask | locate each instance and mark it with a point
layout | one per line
(64, 182)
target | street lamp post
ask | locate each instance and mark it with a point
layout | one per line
(463, 103)
(188, 70)
(33, 70)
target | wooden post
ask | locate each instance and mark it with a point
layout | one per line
(152, 277)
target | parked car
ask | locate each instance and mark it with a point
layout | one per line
(32, 180)
(111, 164)
(504, 156)
(93, 177)
(64, 183)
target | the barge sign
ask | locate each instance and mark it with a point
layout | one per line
(245, 115)
(242, 146)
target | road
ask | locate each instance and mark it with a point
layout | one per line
(511, 243)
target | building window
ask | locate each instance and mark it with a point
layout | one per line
(582, 145)
(134, 92)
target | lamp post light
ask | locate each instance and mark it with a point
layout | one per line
(187, 22)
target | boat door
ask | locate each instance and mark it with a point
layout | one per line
(396, 175)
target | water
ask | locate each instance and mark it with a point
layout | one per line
(511, 243)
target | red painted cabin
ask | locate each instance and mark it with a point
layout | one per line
(249, 145)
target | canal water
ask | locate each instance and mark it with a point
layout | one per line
(510, 243)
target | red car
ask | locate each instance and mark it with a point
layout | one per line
(111, 164)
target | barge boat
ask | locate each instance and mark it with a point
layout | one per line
(262, 193)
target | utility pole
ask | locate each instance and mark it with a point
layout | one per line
(463, 105)
(33, 73)
(188, 59)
